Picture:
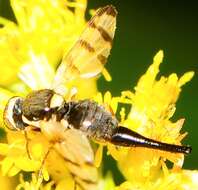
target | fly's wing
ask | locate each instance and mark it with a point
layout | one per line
(77, 152)
(88, 56)
(74, 147)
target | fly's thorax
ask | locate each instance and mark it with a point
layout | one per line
(91, 118)
(40, 105)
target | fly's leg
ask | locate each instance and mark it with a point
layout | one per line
(43, 161)
(40, 173)
(27, 144)
(72, 94)
(28, 139)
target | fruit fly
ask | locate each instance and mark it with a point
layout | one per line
(70, 124)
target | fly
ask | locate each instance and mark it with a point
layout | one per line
(70, 124)
(93, 120)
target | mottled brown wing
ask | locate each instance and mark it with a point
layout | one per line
(88, 56)
(77, 152)
(75, 149)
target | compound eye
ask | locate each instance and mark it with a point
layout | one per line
(13, 114)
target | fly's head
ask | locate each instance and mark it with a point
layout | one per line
(38, 105)
(13, 114)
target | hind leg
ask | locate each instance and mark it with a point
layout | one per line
(40, 176)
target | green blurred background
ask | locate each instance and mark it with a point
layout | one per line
(143, 28)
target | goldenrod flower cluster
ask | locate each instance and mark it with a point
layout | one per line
(30, 50)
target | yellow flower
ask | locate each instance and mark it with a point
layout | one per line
(181, 180)
(152, 106)
(7, 183)
(32, 49)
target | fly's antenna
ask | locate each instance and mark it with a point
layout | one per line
(128, 138)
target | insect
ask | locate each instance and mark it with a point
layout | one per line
(70, 124)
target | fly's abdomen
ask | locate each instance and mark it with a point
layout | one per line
(87, 116)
